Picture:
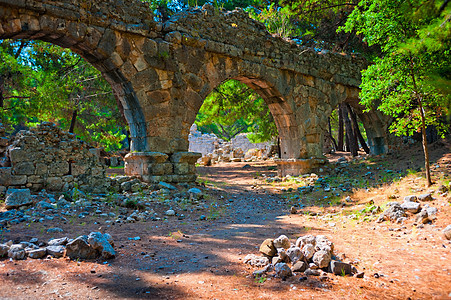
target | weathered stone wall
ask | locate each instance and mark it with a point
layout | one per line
(45, 157)
(202, 143)
(217, 150)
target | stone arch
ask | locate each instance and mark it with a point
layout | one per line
(95, 45)
(266, 87)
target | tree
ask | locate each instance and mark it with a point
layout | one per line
(233, 108)
(410, 80)
(43, 82)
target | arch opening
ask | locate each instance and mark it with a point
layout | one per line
(271, 112)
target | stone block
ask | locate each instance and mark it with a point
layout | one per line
(59, 168)
(181, 168)
(7, 178)
(17, 198)
(18, 155)
(41, 168)
(78, 169)
(185, 157)
(54, 183)
(24, 168)
(35, 179)
(158, 169)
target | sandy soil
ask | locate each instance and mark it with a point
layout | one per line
(202, 259)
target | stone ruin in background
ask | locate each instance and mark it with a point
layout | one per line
(215, 150)
(46, 157)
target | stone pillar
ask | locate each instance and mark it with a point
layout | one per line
(153, 167)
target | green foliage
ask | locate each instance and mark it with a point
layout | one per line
(233, 108)
(43, 82)
(414, 68)
(277, 20)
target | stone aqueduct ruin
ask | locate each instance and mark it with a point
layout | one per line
(162, 72)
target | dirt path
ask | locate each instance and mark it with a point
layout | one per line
(192, 258)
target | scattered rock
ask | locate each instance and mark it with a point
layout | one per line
(308, 250)
(299, 266)
(4, 250)
(304, 240)
(37, 253)
(283, 270)
(256, 261)
(56, 251)
(267, 248)
(17, 197)
(322, 258)
(412, 207)
(340, 268)
(170, 212)
(393, 212)
(58, 242)
(17, 252)
(101, 244)
(80, 248)
(359, 274)
(168, 186)
(295, 254)
(422, 217)
(55, 230)
(282, 242)
(410, 198)
(425, 197)
(310, 272)
(447, 232)
(261, 272)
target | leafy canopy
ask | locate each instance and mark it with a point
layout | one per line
(413, 70)
(233, 108)
(43, 82)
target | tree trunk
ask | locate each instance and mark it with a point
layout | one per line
(423, 130)
(72, 121)
(357, 132)
(425, 145)
(340, 128)
(352, 139)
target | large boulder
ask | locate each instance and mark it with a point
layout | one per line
(267, 248)
(322, 258)
(283, 270)
(80, 248)
(99, 242)
(18, 197)
(282, 242)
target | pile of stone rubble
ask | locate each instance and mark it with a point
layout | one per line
(412, 205)
(215, 150)
(310, 255)
(90, 246)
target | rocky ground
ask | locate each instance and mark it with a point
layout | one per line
(191, 242)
